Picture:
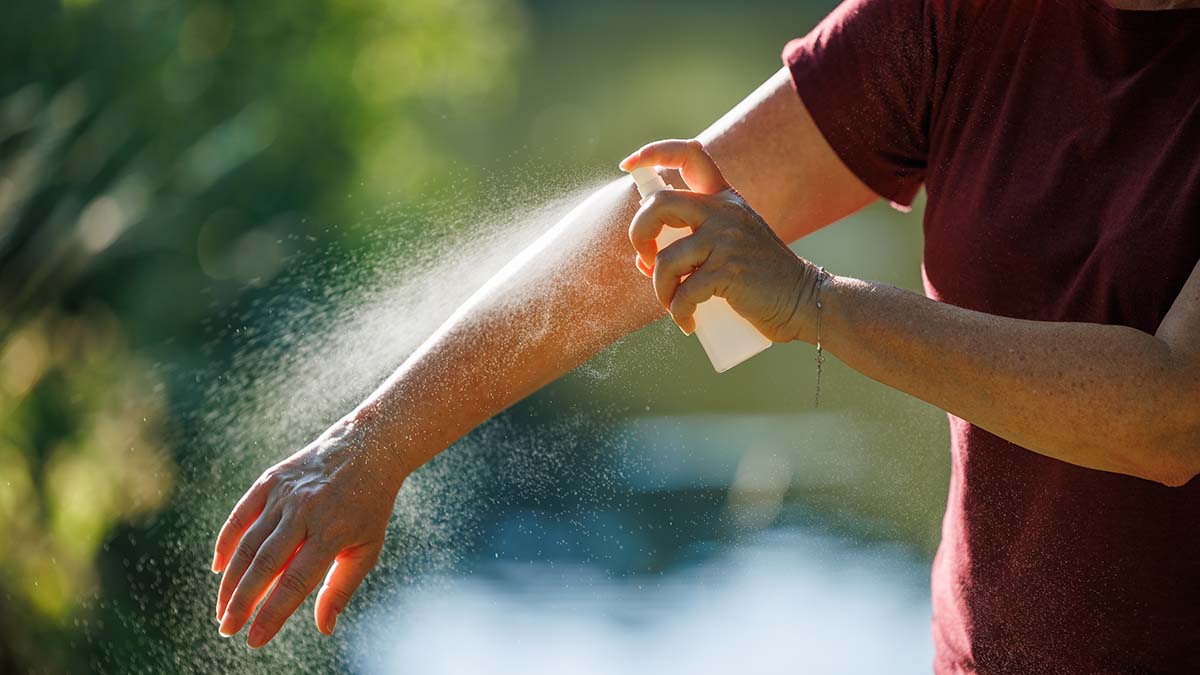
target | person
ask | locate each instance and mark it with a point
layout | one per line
(1059, 146)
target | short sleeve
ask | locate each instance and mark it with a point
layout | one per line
(866, 75)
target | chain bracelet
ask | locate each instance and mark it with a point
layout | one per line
(821, 275)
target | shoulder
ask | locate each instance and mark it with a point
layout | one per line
(939, 20)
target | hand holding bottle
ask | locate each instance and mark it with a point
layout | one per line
(732, 253)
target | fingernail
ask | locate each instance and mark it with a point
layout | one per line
(625, 162)
(256, 638)
(215, 569)
(333, 623)
(226, 628)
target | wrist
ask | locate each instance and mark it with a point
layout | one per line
(375, 440)
(838, 297)
(815, 288)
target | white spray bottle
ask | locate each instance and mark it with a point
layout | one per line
(726, 336)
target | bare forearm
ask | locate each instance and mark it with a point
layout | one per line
(565, 298)
(577, 289)
(559, 302)
(1105, 397)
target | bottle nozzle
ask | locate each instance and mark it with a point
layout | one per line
(648, 181)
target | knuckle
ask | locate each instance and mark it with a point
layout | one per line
(339, 530)
(294, 584)
(266, 561)
(237, 606)
(695, 144)
(244, 555)
(269, 478)
(236, 520)
(338, 596)
(269, 618)
(306, 503)
(667, 258)
(372, 554)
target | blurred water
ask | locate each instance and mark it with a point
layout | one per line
(704, 555)
(790, 599)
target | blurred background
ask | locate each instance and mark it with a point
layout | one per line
(222, 223)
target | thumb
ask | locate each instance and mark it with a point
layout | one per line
(348, 571)
(695, 165)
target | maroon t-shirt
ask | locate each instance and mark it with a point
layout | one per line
(1059, 144)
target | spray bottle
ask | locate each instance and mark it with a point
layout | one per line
(727, 338)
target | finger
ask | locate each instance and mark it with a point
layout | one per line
(642, 267)
(242, 517)
(295, 583)
(348, 571)
(679, 260)
(247, 548)
(674, 209)
(270, 560)
(695, 165)
(694, 290)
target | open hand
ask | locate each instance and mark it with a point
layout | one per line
(328, 504)
(731, 253)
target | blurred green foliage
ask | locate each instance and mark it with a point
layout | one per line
(164, 162)
(158, 159)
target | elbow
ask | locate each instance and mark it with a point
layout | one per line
(1164, 448)
(1175, 456)
(1181, 437)
(1175, 476)
(1175, 479)
(1161, 440)
(1178, 473)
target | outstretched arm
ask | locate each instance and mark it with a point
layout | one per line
(573, 292)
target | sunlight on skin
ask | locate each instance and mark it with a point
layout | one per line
(731, 253)
(355, 467)
(265, 549)
(521, 330)
(278, 541)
